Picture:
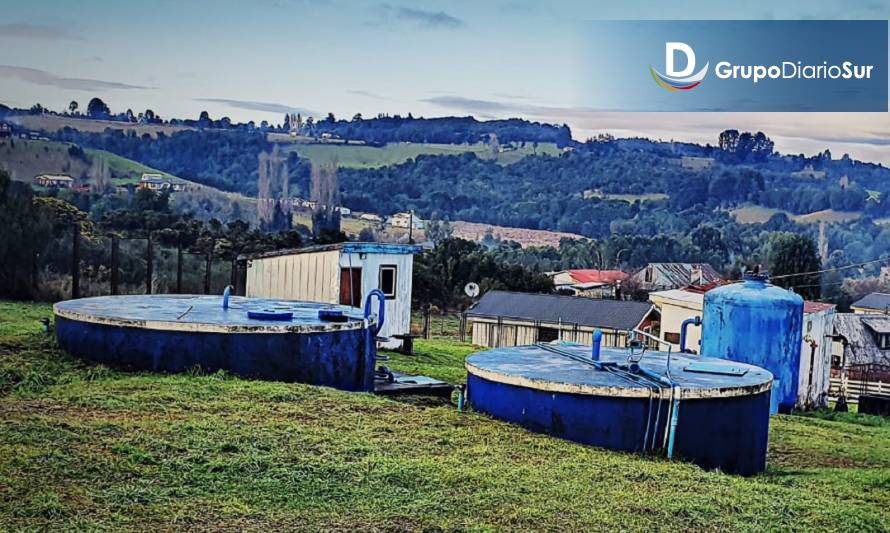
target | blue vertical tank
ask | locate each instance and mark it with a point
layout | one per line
(757, 323)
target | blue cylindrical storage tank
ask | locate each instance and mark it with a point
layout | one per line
(176, 333)
(719, 409)
(760, 324)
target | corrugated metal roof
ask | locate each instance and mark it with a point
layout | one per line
(861, 342)
(875, 300)
(612, 314)
(677, 275)
(816, 307)
(597, 276)
(679, 295)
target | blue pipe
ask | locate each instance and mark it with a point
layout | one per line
(695, 321)
(675, 413)
(597, 342)
(226, 294)
(381, 308)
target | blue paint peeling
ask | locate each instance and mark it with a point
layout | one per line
(760, 324)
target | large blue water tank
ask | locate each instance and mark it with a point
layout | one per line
(757, 323)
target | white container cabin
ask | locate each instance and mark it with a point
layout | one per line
(341, 273)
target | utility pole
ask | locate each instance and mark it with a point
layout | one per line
(411, 226)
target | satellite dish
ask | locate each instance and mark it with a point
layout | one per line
(472, 289)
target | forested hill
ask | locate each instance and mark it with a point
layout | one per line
(448, 130)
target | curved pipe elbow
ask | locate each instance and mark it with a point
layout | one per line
(694, 321)
(381, 308)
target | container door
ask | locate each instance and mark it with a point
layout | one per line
(351, 286)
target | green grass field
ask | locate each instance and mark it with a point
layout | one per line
(757, 214)
(127, 171)
(357, 156)
(631, 198)
(84, 447)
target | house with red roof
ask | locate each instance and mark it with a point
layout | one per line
(590, 283)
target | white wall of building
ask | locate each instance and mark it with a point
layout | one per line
(398, 309)
(313, 277)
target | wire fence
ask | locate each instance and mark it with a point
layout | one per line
(76, 265)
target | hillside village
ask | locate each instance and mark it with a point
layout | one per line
(591, 270)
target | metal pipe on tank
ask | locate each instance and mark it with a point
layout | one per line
(597, 342)
(695, 321)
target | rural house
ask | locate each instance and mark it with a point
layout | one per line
(156, 182)
(50, 180)
(341, 273)
(861, 351)
(664, 276)
(876, 302)
(502, 318)
(677, 305)
(405, 220)
(589, 283)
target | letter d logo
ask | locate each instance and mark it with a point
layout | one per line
(681, 80)
(669, 51)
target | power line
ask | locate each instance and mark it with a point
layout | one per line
(835, 269)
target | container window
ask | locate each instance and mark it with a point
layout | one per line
(388, 281)
(547, 334)
(673, 338)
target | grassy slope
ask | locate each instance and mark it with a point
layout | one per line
(128, 171)
(84, 447)
(28, 159)
(54, 123)
(355, 156)
(755, 214)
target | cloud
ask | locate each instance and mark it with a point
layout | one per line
(421, 17)
(37, 32)
(42, 77)
(470, 104)
(250, 105)
(367, 94)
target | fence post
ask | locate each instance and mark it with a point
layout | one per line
(208, 267)
(75, 261)
(149, 264)
(426, 322)
(179, 268)
(463, 327)
(115, 266)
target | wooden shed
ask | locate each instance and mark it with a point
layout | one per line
(342, 273)
(502, 318)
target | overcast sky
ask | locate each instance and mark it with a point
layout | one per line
(255, 60)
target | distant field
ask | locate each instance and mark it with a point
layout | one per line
(53, 123)
(631, 198)
(25, 159)
(127, 171)
(828, 215)
(359, 156)
(756, 214)
(525, 237)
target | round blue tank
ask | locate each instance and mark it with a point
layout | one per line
(757, 323)
(175, 333)
(711, 412)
